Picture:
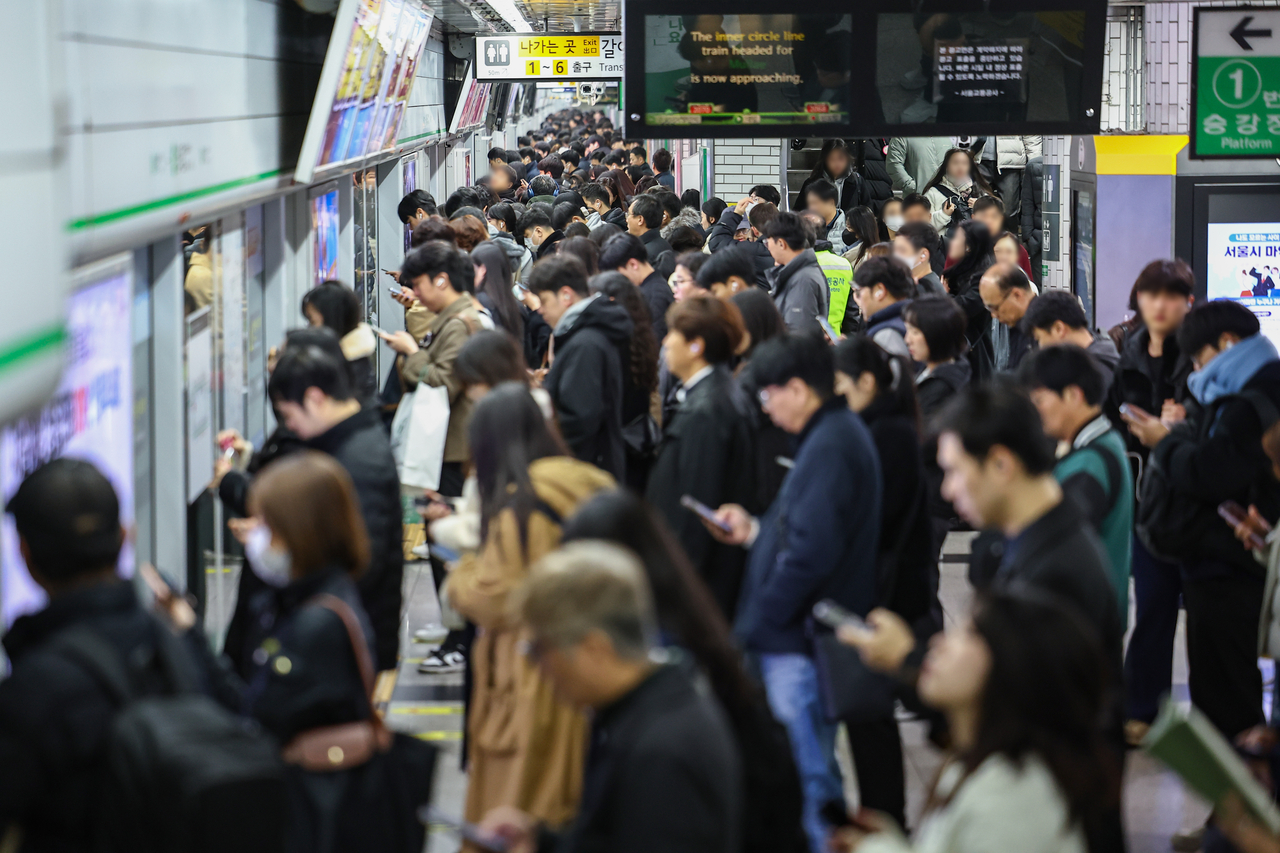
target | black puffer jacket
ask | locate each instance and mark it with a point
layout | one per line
(54, 715)
(934, 390)
(1134, 384)
(361, 446)
(874, 167)
(1032, 211)
(585, 383)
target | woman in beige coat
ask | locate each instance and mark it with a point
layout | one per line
(527, 748)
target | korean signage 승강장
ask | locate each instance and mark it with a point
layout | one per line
(581, 56)
(1235, 98)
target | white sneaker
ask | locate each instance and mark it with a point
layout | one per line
(913, 79)
(440, 664)
(919, 112)
(430, 634)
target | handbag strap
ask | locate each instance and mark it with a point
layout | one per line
(355, 633)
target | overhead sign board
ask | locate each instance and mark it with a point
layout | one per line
(580, 56)
(1235, 83)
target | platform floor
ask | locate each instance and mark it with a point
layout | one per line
(1156, 804)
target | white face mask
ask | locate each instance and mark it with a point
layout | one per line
(269, 564)
(893, 223)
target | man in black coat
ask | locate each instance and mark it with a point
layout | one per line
(708, 447)
(54, 714)
(1152, 376)
(312, 392)
(539, 235)
(644, 220)
(628, 255)
(663, 770)
(585, 382)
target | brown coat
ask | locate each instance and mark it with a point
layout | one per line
(527, 748)
(433, 364)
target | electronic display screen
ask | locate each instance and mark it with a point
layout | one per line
(713, 71)
(89, 417)
(1243, 264)
(971, 67)
(365, 83)
(895, 68)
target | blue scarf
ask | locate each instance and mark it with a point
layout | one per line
(1229, 372)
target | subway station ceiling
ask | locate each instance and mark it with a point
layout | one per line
(479, 16)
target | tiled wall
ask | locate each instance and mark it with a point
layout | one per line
(742, 163)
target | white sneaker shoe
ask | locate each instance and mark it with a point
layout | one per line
(430, 634)
(441, 664)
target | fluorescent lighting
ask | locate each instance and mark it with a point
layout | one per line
(511, 14)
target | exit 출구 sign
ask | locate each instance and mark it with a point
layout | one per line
(1235, 96)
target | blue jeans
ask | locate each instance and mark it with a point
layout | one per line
(1148, 663)
(791, 685)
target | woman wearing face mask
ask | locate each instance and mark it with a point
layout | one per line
(954, 189)
(306, 540)
(891, 219)
(1021, 684)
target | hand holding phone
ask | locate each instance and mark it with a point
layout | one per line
(1250, 528)
(467, 831)
(834, 616)
(705, 512)
(832, 335)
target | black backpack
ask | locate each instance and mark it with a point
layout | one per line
(1173, 525)
(183, 774)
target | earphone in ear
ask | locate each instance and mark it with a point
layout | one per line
(695, 348)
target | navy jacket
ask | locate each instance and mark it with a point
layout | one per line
(820, 537)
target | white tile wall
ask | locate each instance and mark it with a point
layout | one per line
(1167, 39)
(740, 164)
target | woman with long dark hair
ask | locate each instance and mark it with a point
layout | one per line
(640, 376)
(526, 747)
(494, 287)
(835, 164)
(970, 254)
(861, 232)
(881, 389)
(619, 198)
(762, 322)
(689, 618)
(954, 189)
(1021, 683)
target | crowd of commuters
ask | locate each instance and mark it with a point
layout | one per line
(674, 426)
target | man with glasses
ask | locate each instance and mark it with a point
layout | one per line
(817, 541)
(1007, 293)
(663, 769)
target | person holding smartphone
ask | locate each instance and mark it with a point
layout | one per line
(707, 448)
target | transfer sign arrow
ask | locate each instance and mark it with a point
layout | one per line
(1242, 32)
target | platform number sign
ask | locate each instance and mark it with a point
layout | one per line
(1235, 83)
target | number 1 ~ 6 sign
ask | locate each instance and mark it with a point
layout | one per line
(1235, 83)
(581, 56)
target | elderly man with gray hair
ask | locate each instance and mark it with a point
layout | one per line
(663, 771)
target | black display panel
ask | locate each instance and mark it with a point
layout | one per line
(890, 68)
(743, 71)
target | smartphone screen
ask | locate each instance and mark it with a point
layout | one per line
(394, 291)
(704, 512)
(827, 327)
(1235, 515)
(834, 616)
(468, 831)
